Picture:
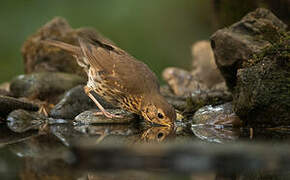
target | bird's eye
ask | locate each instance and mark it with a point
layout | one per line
(160, 116)
(160, 135)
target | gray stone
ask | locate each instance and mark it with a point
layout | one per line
(181, 81)
(90, 117)
(8, 104)
(74, 102)
(217, 115)
(44, 86)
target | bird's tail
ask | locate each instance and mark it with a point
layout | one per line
(65, 46)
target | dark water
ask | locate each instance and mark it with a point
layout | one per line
(67, 151)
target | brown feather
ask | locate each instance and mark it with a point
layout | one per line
(121, 70)
(68, 47)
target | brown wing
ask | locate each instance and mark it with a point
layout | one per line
(122, 70)
(119, 69)
(68, 47)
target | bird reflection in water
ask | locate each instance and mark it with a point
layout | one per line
(157, 134)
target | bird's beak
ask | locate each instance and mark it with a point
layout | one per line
(169, 124)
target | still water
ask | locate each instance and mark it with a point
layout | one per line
(66, 151)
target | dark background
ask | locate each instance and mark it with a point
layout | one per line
(158, 32)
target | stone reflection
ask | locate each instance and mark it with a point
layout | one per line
(215, 134)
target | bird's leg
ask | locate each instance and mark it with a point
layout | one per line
(103, 111)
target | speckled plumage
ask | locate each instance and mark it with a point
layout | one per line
(120, 79)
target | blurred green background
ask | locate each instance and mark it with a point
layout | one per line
(158, 32)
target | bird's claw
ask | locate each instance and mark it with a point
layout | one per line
(108, 115)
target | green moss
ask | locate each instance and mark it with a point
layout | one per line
(262, 94)
(270, 33)
(279, 50)
(198, 101)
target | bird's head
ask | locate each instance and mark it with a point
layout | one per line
(157, 110)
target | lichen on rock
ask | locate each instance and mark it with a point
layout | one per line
(236, 44)
(262, 94)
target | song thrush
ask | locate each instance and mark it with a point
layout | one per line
(120, 79)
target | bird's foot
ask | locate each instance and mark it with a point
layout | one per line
(43, 110)
(108, 115)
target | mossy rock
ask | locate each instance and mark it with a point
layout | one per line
(234, 45)
(262, 94)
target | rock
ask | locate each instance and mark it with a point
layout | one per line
(5, 93)
(89, 117)
(8, 104)
(20, 120)
(234, 45)
(74, 102)
(5, 89)
(177, 102)
(220, 86)
(204, 67)
(39, 57)
(200, 99)
(217, 115)
(181, 82)
(262, 92)
(44, 86)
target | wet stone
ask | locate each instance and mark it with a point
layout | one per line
(74, 102)
(217, 115)
(20, 120)
(199, 99)
(90, 117)
(44, 86)
(8, 104)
